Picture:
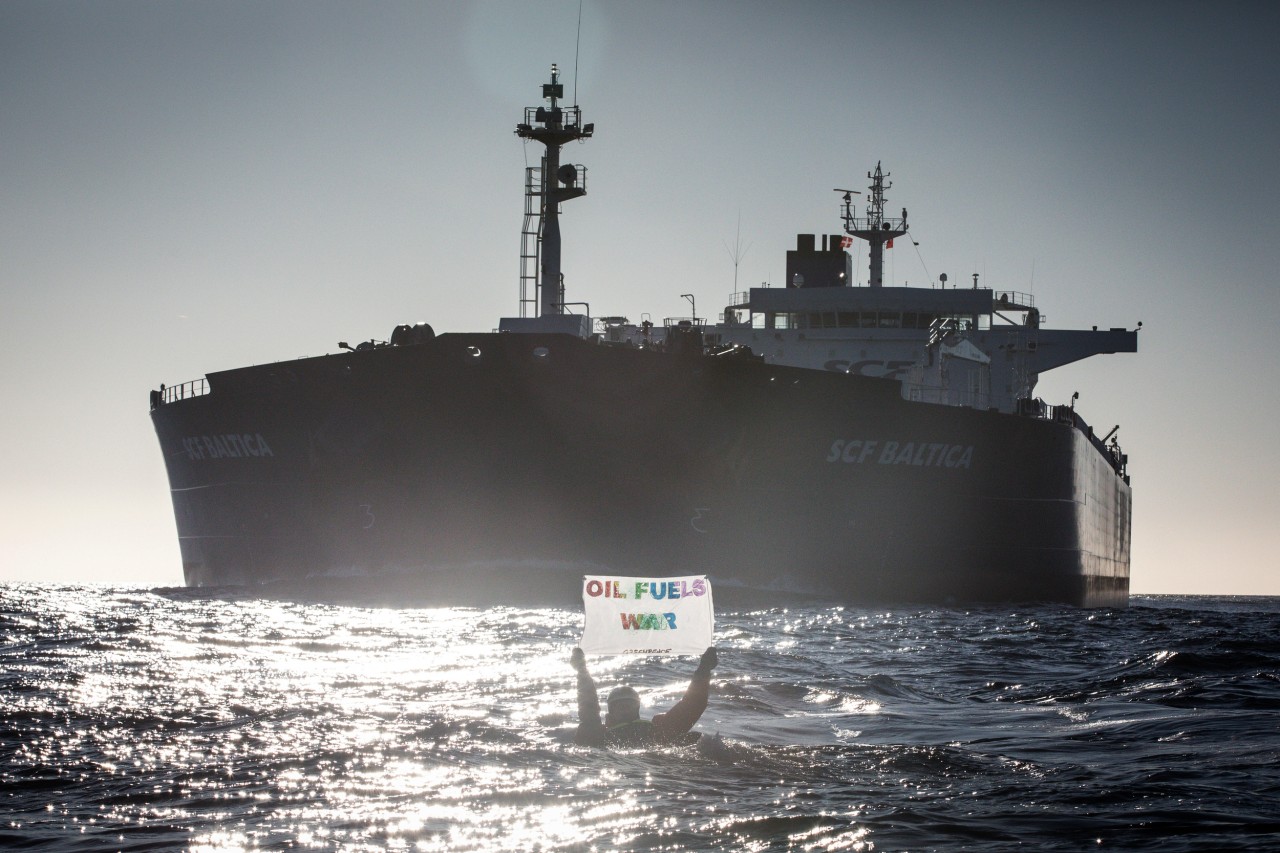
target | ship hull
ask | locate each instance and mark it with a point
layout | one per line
(496, 468)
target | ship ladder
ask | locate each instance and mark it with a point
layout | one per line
(531, 241)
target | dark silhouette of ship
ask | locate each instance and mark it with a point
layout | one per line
(826, 440)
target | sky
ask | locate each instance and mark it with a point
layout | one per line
(189, 187)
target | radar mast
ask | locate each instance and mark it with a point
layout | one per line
(877, 229)
(553, 126)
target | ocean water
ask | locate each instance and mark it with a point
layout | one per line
(140, 719)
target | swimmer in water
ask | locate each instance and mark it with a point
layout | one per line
(622, 725)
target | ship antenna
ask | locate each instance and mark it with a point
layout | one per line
(737, 253)
(577, 43)
(846, 213)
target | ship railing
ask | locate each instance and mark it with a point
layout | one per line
(741, 299)
(1013, 300)
(570, 117)
(696, 322)
(1067, 415)
(878, 223)
(174, 393)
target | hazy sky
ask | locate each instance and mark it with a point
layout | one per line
(188, 187)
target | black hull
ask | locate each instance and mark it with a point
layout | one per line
(462, 465)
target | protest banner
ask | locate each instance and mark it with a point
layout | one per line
(647, 615)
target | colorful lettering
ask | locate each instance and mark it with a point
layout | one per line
(648, 621)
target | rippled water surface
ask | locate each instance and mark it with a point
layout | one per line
(138, 719)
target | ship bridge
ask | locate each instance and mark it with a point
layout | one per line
(961, 346)
(971, 346)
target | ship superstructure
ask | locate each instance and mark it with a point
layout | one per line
(969, 346)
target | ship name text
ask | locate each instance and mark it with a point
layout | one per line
(917, 453)
(226, 446)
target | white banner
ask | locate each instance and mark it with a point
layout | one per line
(647, 615)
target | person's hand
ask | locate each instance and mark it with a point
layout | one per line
(709, 660)
(578, 660)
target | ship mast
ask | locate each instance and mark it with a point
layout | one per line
(553, 126)
(877, 229)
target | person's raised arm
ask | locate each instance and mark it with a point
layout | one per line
(684, 716)
(590, 730)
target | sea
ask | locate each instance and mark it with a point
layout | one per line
(205, 720)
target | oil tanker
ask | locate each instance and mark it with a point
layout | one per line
(823, 439)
